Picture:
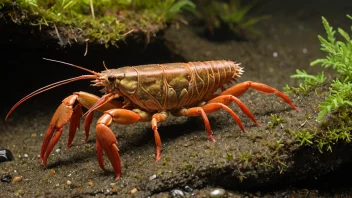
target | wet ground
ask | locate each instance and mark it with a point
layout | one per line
(190, 162)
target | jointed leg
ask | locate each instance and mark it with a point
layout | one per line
(227, 99)
(240, 88)
(157, 118)
(206, 109)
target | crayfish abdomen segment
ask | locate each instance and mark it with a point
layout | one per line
(175, 85)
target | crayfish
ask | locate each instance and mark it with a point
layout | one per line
(150, 93)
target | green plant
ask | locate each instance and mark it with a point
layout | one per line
(309, 83)
(304, 137)
(164, 10)
(245, 157)
(275, 120)
(332, 136)
(232, 14)
(339, 52)
(339, 57)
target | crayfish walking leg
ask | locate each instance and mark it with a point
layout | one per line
(213, 107)
(241, 88)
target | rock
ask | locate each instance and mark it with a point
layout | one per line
(6, 178)
(217, 193)
(5, 155)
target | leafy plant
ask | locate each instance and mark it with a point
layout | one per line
(231, 14)
(310, 82)
(275, 120)
(304, 137)
(339, 57)
(339, 52)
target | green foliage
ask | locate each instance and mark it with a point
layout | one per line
(245, 157)
(232, 14)
(310, 82)
(275, 120)
(104, 21)
(340, 59)
(164, 10)
(340, 96)
(339, 52)
(304, 137)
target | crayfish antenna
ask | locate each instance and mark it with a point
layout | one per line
(48, 87)
(79, 67)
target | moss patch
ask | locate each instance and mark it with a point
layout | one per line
(104, 21)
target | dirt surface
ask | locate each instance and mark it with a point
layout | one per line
(243, 164)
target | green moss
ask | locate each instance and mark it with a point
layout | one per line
(276, 145)
(101, 21)
(338, 130)
(275, 120)
(229, 157)
(241, 177)
(304, 137)
(245, 157)
(188, 166)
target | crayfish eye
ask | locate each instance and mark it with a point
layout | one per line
(111, 78)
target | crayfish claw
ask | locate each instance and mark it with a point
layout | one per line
(51, 145)
(61, 117)
(74, 124)
(87, 121)
(99, 151)
(106, 141)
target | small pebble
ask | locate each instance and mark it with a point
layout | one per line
(25, 155)
(176, 193)
(114, 189)
(52, 172)
(17, 179)
(6, 178)
(188, 189)
(152, 177)
(133, 191)
(217, 192)
(304, 50)
(275, 54)
(68, 182)
(90, 182)
(5, 155)
(57, 150)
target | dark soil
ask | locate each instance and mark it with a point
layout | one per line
(190, 162)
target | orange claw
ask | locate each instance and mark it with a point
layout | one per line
(74, 124)
(60, 118)
(106, 140)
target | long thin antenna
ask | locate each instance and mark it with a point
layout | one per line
(79, 67)
(53, 85)
(105, 66)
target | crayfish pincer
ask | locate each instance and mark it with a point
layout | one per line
(149, 93)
